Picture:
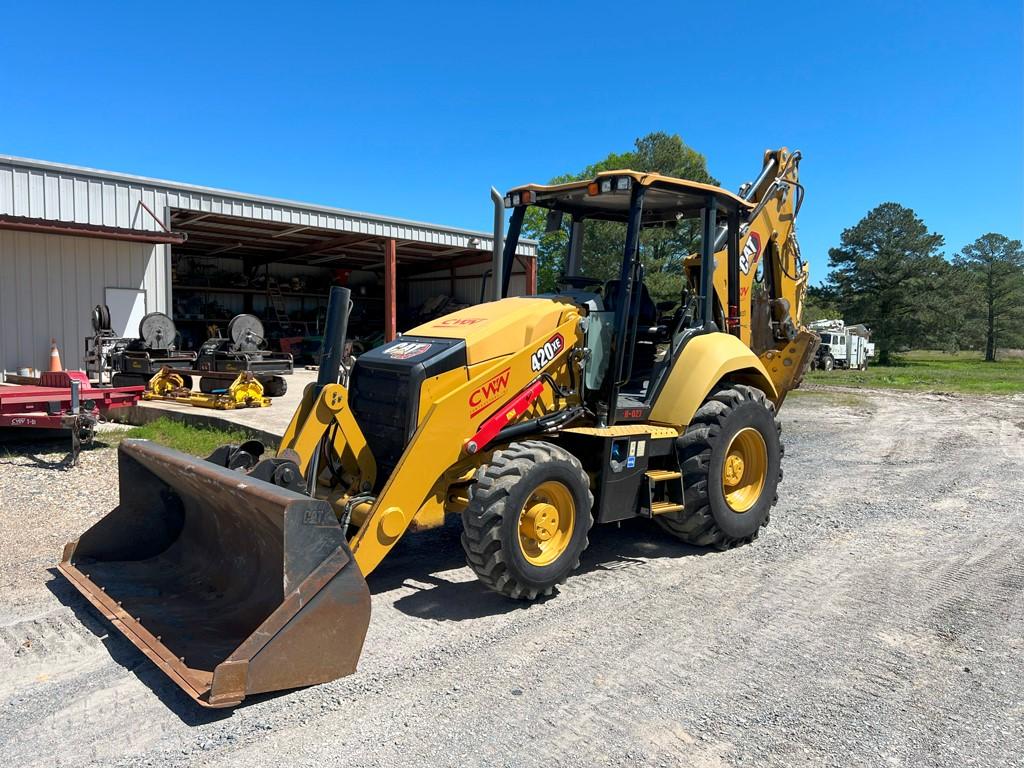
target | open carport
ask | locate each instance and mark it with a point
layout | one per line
(72, 238)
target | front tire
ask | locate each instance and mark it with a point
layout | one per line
(527, 520)
(731, 457)
(828, 363)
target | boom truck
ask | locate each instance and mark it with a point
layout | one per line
(842, 346)
(530, 417)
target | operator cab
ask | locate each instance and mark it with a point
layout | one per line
(614, 223)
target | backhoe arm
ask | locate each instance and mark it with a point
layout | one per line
(772, 277)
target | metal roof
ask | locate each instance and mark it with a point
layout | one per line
(36, 189)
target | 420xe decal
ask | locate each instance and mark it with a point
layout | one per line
(547, 353)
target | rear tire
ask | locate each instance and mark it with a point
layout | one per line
(527, 520)
(727, 502)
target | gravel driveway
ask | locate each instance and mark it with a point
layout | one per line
(879, 620)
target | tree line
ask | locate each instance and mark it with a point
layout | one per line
(888, 271)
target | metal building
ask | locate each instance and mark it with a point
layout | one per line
(72, 238)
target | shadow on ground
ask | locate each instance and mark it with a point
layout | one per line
(432, 563)
(425, 562)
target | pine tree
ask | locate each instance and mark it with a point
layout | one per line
(887, 272)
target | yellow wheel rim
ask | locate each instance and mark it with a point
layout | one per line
(744, 470)
(546, 523)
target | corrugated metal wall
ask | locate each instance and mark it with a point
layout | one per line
(50, 283)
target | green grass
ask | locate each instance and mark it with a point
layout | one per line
(199, 441)
(930, 371)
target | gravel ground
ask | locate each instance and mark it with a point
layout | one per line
(879, 620)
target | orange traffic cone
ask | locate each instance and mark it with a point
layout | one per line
(55, 357)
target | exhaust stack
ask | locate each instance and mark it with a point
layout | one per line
(497, 268)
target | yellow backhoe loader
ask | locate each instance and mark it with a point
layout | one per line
(530, 417)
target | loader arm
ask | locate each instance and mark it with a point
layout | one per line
(311, 424)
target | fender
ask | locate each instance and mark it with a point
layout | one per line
(703, 363)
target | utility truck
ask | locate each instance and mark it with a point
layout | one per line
(842, 346)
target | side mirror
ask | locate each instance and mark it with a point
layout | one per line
(553, 223)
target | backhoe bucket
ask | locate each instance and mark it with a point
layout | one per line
(230, 585)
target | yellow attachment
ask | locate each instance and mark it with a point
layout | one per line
(245, 392)
(546, 523)
(315, 414)
(786, 366)
(164, 383)
(744, 470)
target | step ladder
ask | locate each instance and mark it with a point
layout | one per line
(657, 493)
(277, 302)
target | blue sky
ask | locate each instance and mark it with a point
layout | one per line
(415, 109)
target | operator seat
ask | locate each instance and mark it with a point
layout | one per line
(648, 317)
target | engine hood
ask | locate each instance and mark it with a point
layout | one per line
(498, 328)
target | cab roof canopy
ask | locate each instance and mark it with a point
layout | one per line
(607, 195)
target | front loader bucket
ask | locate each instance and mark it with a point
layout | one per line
(230, 585)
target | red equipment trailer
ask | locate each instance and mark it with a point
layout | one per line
(63, 400)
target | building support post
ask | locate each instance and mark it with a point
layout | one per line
(390, 289)
(530, 262)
